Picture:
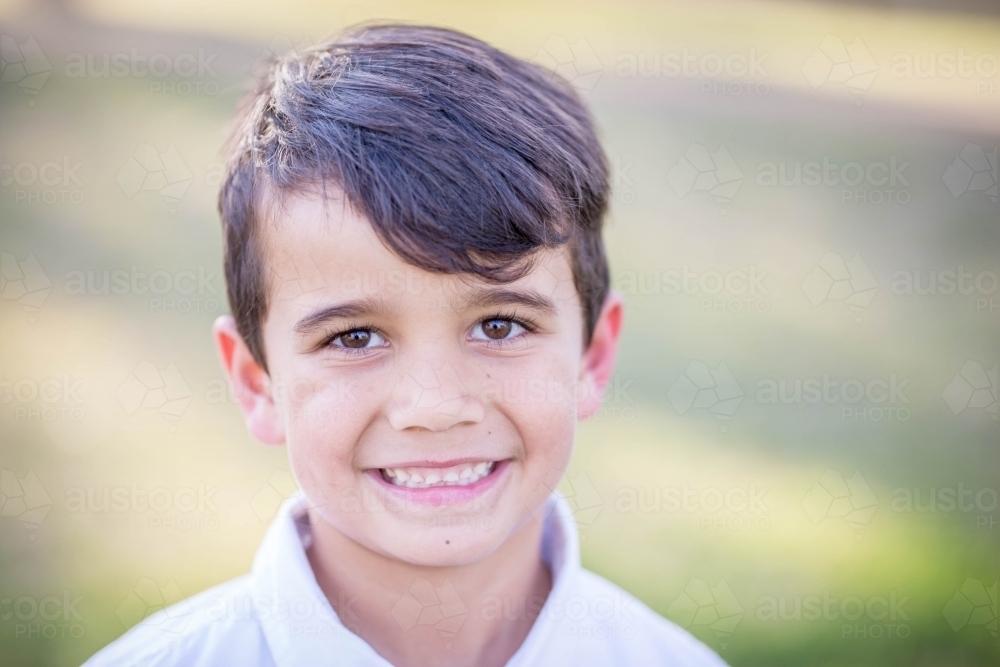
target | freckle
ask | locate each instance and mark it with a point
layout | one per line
(447, 541)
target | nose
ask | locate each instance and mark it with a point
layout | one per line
(433, 397)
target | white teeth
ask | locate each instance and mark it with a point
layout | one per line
(469, 474)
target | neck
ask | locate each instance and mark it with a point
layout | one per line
(414, 615)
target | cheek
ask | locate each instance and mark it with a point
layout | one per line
(540, 400)
(325, 417)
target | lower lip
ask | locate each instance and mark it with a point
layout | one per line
(444, 495)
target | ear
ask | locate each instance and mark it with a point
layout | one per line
(249, 382)
(598, 362)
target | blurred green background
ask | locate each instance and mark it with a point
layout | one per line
(805, 196)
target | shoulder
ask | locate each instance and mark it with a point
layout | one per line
(625, 631)
(216, 626)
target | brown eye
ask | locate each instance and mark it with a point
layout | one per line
(497, 329)
(357, 339)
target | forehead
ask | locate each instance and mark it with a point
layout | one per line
(318, 250)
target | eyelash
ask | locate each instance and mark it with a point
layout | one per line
(510, 316)
(527, 325)
(364, 351)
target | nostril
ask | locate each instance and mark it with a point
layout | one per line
(438, 416)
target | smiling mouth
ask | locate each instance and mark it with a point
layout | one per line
(463, 474)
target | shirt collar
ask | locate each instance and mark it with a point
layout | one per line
(300, 625)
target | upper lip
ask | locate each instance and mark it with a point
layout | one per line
(438, 464)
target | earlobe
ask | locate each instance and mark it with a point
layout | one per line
(598, 363)
(250, 383)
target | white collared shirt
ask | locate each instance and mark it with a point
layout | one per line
(277, 616)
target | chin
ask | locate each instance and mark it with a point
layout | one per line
(445, 548)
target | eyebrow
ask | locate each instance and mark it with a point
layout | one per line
(372, 306)
(494, 297)
(366, 307)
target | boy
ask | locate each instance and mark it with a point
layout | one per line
(421, 313)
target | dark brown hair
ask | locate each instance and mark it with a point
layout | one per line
(464, 160)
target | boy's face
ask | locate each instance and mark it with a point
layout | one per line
(427, 416)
